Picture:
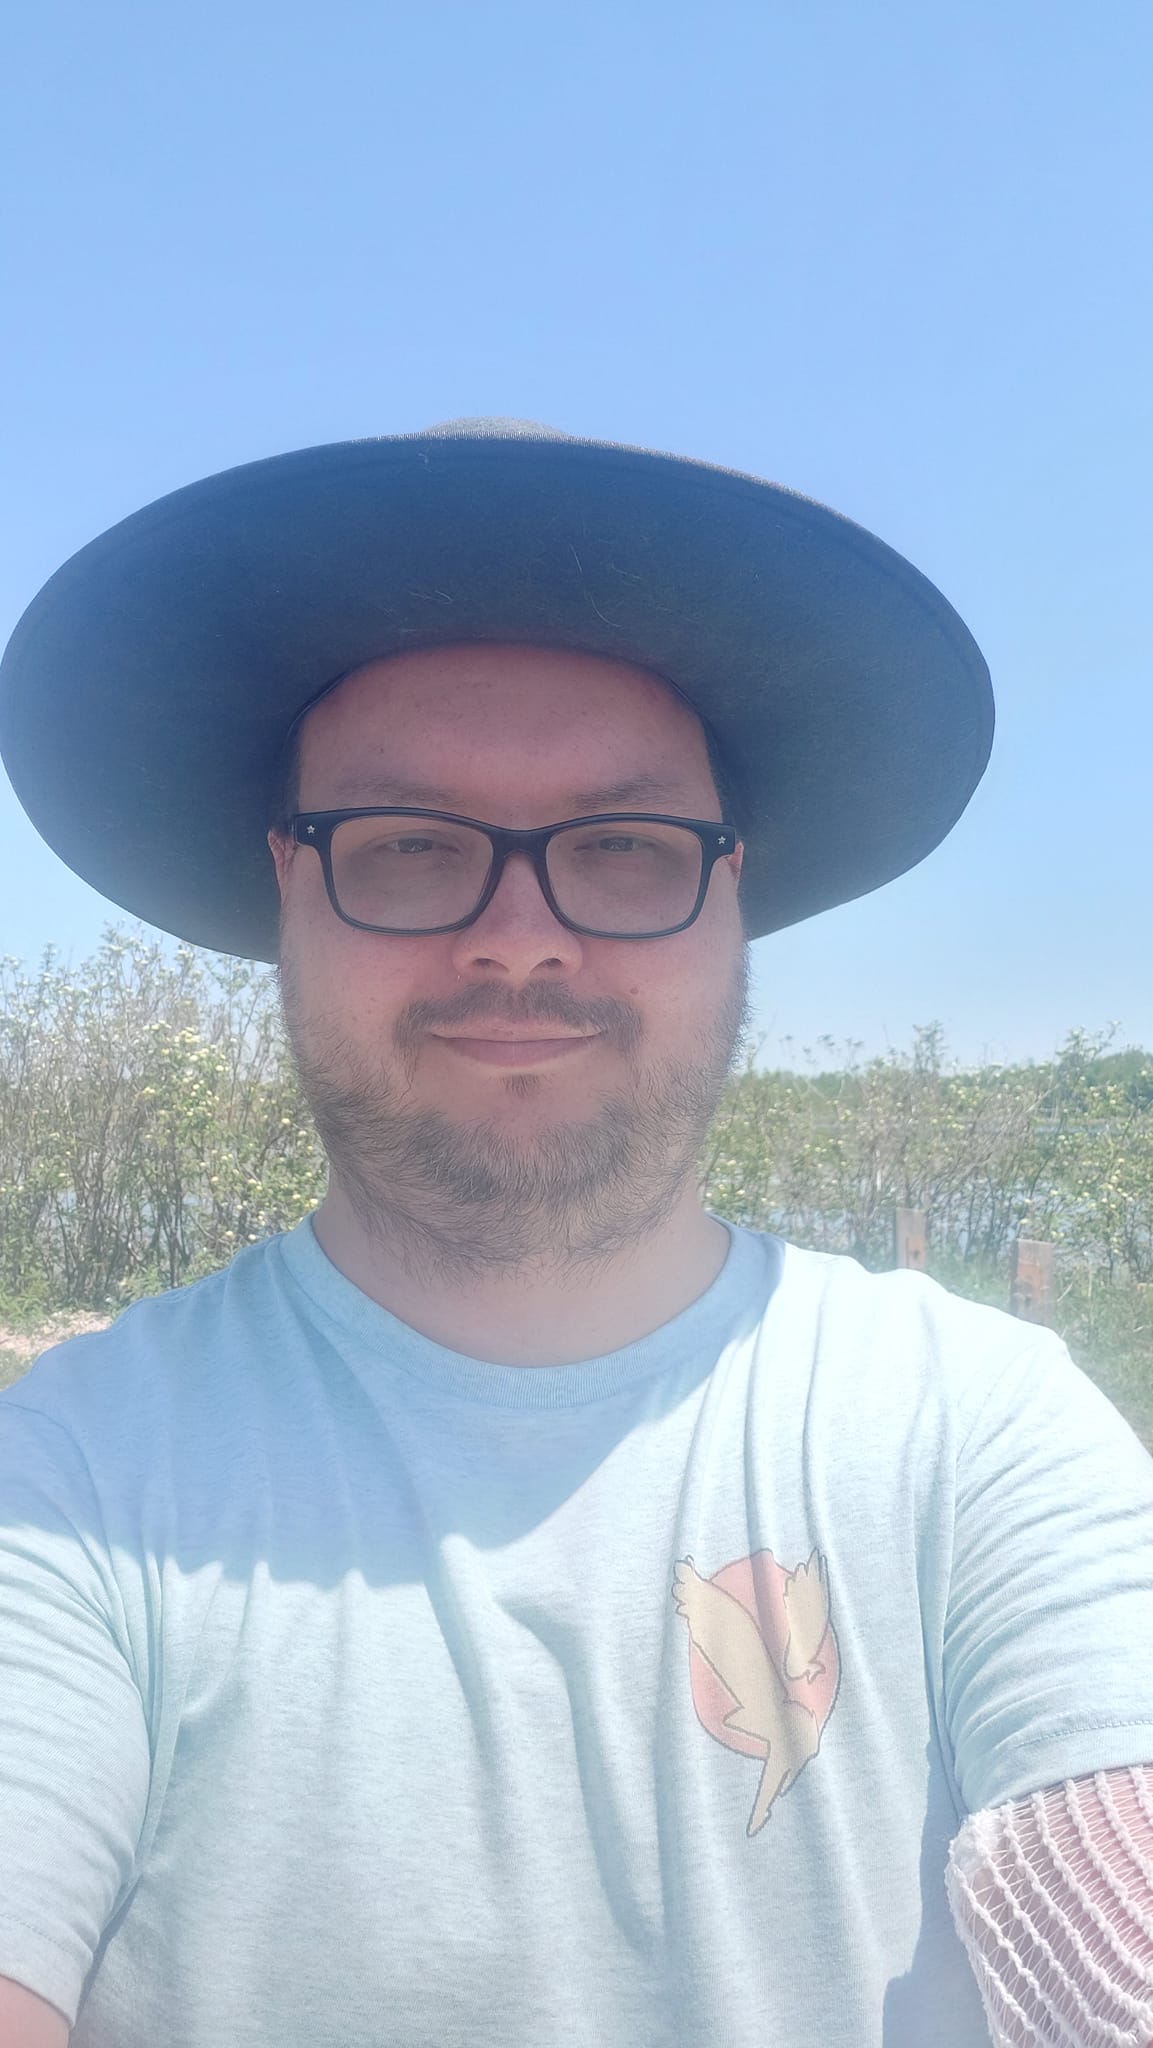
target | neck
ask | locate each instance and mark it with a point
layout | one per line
(539, 1312)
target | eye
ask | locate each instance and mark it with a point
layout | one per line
(410, 843)
(613, 842)
(619, 840)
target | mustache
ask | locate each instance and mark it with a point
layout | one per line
(538, 1003)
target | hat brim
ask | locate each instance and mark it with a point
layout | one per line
(146, 692)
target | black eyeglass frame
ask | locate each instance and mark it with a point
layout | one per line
(315, 828)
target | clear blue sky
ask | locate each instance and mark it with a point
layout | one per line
(896, 256)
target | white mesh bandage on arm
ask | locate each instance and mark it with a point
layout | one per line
(1052, 1896)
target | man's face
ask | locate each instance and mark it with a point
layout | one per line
(472, 1156)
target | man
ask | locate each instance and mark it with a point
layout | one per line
(517, 1606)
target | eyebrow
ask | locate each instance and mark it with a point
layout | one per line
(633, 789)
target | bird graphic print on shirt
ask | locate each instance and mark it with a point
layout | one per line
(764, 1666)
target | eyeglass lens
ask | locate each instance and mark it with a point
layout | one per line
(414, 873)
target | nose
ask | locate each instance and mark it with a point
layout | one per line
(517, 931)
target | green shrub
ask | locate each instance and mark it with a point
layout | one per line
(151, 1124)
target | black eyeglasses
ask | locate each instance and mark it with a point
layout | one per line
(623, 875)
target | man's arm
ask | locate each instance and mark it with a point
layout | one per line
(27, 2021)
(75, 1758)
(1052, 1896)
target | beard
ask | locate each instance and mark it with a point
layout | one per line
(461, 1199)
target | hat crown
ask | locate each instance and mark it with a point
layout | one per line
(497, 429)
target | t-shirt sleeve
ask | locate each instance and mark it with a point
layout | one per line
(74, 1747)
(1048, 1650)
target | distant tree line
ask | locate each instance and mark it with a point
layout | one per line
(151, 1123)
(1060, 1150)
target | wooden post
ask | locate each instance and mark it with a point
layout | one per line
(909, 1238)
(1031, 1281)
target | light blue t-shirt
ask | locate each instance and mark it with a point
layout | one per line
(356, 1692)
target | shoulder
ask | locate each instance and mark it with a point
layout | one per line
(900, 1331)
(899, 1303)
(163, 1352)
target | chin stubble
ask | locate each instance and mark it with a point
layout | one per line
(460, 1199)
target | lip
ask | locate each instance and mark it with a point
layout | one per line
(517, 1052)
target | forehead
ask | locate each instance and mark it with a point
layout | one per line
(440, 722)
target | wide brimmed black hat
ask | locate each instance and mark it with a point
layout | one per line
(147, 691)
